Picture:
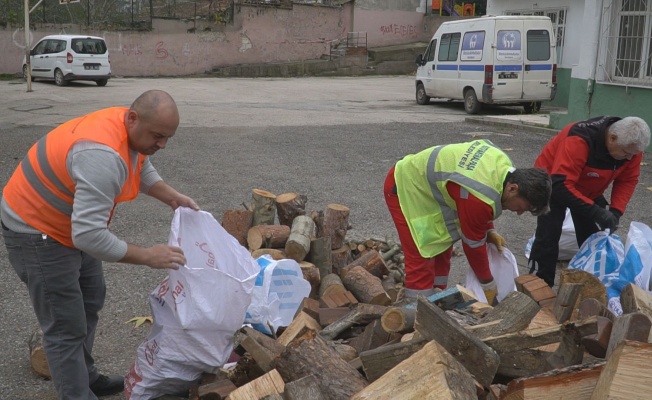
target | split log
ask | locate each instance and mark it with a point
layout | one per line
(320, 255)
(276, 254)
(237, 223)
(362, 314)
(430, 373)
(365, 287)
(289, 206)
(634, 326)
(590, 307)
(310, 307)
(538, 290)
(373, 336)
(625, 376)
(370, 261)
(538, 337)
(329, 315)
(309, 354)
(566, 301)
(263, 205)
(260, 347)
(267, 236)
(37, 357)
(514, 313)
(635, 299)
(592, 287)
(218, 390)
(269, 384)
(297, 327)
(303, 389)
(398, 320)
(335, 224)
(378, 361)
(311, 274)
(298, 244)
(523, 363)
(570, 350)
(340, 258)
(596, 345)
(572, 383)
(390, 287)
(331, 283)
(434, 324)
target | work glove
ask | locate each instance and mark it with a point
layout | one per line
(616, 214)
(490, 292)
(496, 239)
(604, 219)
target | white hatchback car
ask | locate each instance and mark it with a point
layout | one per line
(65, 58)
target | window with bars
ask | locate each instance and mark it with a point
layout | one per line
(557, 17)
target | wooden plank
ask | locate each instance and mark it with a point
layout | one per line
(634, 326)
(572, 383)
(296, 327)
(434, 324)
(626, 375)
(429, 374)
(378, 361)
(635, 299)
(592, 287)
(269, 384)
(310, 307)
(514, 313)
(566, 301)
(329, 315)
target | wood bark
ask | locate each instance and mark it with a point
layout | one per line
(365, 287)
(311, 274)
(597, 344)
(567, 301)
(276, 254)
(306, 388)
(340, 257)
(298, 244)
(335, 224)
(378, 361)
(514, 313)
(373, 336)
(269, 384)
(361, 314)
(635, 299)
(623, 376)
(430, 374)
(572, 383)
(263, 205)
(260, 347)
(237, 223)
(267, 236)
(634, 326)
(309, 354)
(37, 357)
(434, 324)
(289, 206)
(370, 261)
(216, 390)
(320, 255)
(331, 283)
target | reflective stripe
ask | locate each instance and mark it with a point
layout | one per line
(474, 244)
(44, 163)
(449, 215)
(464, 194)
(441, 280)
(44, 192)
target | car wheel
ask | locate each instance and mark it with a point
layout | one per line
(102, 82)
(471, 103)
(58, 78)
(422, 97)
(25, 74)
(532, 108)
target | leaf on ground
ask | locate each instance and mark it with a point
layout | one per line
(644, 163)
(138, 321)
(508, 149)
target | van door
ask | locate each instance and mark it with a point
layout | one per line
(446, 67)
(36, 59)
(471, 70)
(539, 60)
(425, 71)
(508, 60)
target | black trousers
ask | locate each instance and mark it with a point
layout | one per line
(545, 249)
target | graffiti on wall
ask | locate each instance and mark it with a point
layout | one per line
(399, 29)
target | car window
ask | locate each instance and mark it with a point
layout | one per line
(60, 46)
(88, 46)
(40, 48)
(51, 46)
(538, 45)
(430, 53)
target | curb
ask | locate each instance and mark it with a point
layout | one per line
(511, 124)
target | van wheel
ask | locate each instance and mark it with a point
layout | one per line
(58, 78)
(471, 103)
(101, 82)
(532, 108)
(25, 74)
(422, 97)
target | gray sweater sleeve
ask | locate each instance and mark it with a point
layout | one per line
(99, 174)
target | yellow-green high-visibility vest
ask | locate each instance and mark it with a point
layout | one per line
(479, 167)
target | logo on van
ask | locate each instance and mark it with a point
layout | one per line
(472, 46)
(509, 45)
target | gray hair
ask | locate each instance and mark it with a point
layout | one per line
(631, 130)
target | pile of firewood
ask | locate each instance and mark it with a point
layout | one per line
(353, 337)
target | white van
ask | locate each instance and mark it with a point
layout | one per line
(65, 58)
(507, 60)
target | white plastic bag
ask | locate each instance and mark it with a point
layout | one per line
(278, 292)
(197, 309)
(567, 241)
(504, 270)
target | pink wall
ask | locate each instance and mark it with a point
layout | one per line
(389, 27)
(258, 35)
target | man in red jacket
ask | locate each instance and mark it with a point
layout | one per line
(583, 160)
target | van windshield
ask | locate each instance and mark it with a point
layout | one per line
(538, 45)
(88, 46)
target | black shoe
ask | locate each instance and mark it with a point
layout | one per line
(108, 385)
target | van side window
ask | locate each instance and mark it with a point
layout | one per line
(538, 45)
(40, 48)
(430, 53)
(449, 46)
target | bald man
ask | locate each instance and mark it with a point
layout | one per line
(56, 210)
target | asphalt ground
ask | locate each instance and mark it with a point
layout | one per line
(332, 139)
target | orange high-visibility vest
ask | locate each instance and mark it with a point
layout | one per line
(41, 192)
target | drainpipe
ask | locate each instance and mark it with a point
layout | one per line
(596, 60)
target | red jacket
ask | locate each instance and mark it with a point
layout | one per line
(582, 169)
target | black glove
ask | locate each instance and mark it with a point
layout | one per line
(616, 214)
(604, 219)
